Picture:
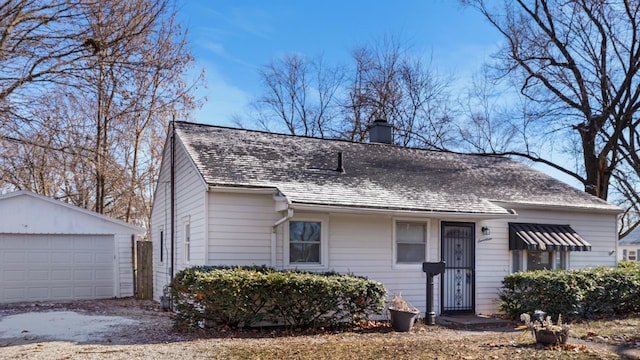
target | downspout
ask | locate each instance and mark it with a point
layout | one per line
(173, 194)
(287, 216)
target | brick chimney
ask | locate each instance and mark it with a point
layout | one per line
(380, 132)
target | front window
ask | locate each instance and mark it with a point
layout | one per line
(529, 260)
(411, 239)
(305, 239)
(632, 255)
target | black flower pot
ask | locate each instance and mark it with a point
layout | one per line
(402, 320)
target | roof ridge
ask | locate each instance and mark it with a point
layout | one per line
(363, 143)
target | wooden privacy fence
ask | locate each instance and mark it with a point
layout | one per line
(144, 270)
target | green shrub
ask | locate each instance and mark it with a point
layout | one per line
(247, 296)
(576, 294)
(525, 292)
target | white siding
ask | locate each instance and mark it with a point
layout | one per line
(493, 258)
(363, 245)
(240, 227)
(493, 263)
(190, 202)
(635, 247)
(599, 230)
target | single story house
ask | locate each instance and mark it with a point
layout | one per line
(229, 196)
(629, 246)
(54, 251)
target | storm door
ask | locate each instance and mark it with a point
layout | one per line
(458, 280)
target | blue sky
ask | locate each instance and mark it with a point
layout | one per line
(232, 39)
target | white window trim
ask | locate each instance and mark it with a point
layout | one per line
(525, 265)
(186, 250)
(324, 243)
(401, 266)
(162, 255)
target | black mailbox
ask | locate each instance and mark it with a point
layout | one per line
(432, 269)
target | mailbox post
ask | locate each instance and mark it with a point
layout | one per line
(432, 269)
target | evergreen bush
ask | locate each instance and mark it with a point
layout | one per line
(576, 294)
(250, 296)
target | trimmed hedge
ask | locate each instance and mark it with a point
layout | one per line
(576, 294)
(249, 296)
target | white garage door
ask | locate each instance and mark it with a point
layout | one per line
(56, 267)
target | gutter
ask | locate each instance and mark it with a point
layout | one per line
(612, 209)
(509, 213)
(244, 190)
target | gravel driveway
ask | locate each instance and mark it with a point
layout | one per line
(83, 329)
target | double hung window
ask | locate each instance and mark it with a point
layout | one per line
(305, 242)
(410, 242)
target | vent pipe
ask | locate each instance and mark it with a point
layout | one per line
(340, 168)
(380, 132)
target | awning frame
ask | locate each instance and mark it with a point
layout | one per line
(545, 237)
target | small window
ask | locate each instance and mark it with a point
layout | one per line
(517, 261)
(632, 255)
(523, 260)
(187, 243)
(161, 245)
(539, 260)
(305, 238)
(411, 239)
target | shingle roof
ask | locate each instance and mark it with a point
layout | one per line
(379, 176)
(632, 238)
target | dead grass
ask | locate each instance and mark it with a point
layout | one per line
(378, 341)
(153, 338)
(618, 331)
(418, 344)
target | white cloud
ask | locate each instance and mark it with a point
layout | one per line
(223, 99)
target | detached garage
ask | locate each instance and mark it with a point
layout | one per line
(53, 251)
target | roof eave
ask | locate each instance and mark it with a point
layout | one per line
(243, 189)
(361, 210)
(611, 209)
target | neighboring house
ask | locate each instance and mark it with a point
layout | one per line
(237, 197)
(51, 251)
(629, 246)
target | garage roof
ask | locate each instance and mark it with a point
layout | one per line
(25, 212)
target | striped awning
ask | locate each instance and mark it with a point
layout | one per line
(545, 237)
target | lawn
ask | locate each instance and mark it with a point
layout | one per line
(590, 340)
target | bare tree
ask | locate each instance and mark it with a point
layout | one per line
(388, 83)
(578, 62)
(491, 119)
(108, 115)
(299, 94)
(42, 42)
